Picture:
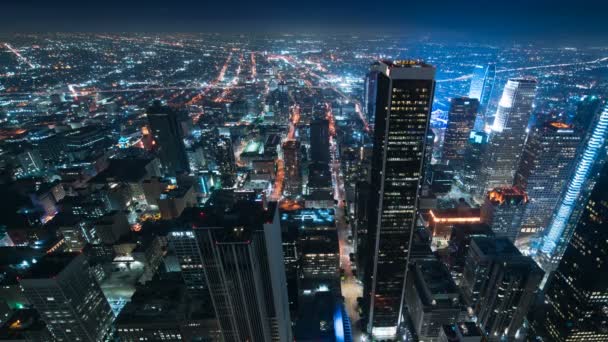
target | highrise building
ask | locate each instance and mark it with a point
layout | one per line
(476, 87)
(319, 141)
(184, 244)
(293, 175)
(226, 163)
(62, 289)
(461, 119)
(168, 136)
(503, 210)
(469, 173)
(543, 171)
(482, 87)
(568, 209)
(242, 258)
(369, 95)
(508, 292)
(509, 132)
(403, 104)
(577, 295)
(501, 284)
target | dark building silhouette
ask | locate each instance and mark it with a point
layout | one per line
(319, 141)
(168, 135)
(461, 119)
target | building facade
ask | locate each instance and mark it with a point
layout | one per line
(403, 105)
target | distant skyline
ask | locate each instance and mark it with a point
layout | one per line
(558, 20)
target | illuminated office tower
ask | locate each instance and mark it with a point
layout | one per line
(568, 209)
(226, 163)
(293, 176)
(242, 256)
(61, 287)
(403, 105)
(503, 210)
(482, 86)
(468, 174)
(168, 135)
(509, 132)
(543, 172)
(461, 119)
(577, 295)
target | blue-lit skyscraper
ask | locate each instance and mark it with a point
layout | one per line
(482, 86)
(559, 229)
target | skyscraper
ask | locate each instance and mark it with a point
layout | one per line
(461, 119)
(369, 95)
(469, 173)
(500, 283)
(476, 87)
(242, 257)
(577, 295)
(319, 141)
(561, 226)
(509, 132)
(503, 210)
(403, 104)
(544, 168)
(168, 135)
(293, 176)
(482, 86)
(61, 287)
(226, 163)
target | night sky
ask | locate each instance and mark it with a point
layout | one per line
(586, 20)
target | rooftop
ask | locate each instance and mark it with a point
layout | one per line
(50, 265)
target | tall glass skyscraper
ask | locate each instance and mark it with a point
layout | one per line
(403, 108)
(543, 171)
(482, 86)
(577, 296)
(560, 229)
(509, 132)
(461, 118)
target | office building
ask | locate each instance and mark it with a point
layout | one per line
(507, 294)
(461, 119)
(503, 210)
(293, 174)
(432, 298)
(577, 295)
(242, 257)
(370, 94)
(501, 284)
(469, 174)
(403, 105)
(319, 141)
(543, 171)
(568, 209)
(225, 160)
(168, 136)
(461, 332)
(481, 88)
(509, 132)
(161, 310)
(186, 248)
(62, 289)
